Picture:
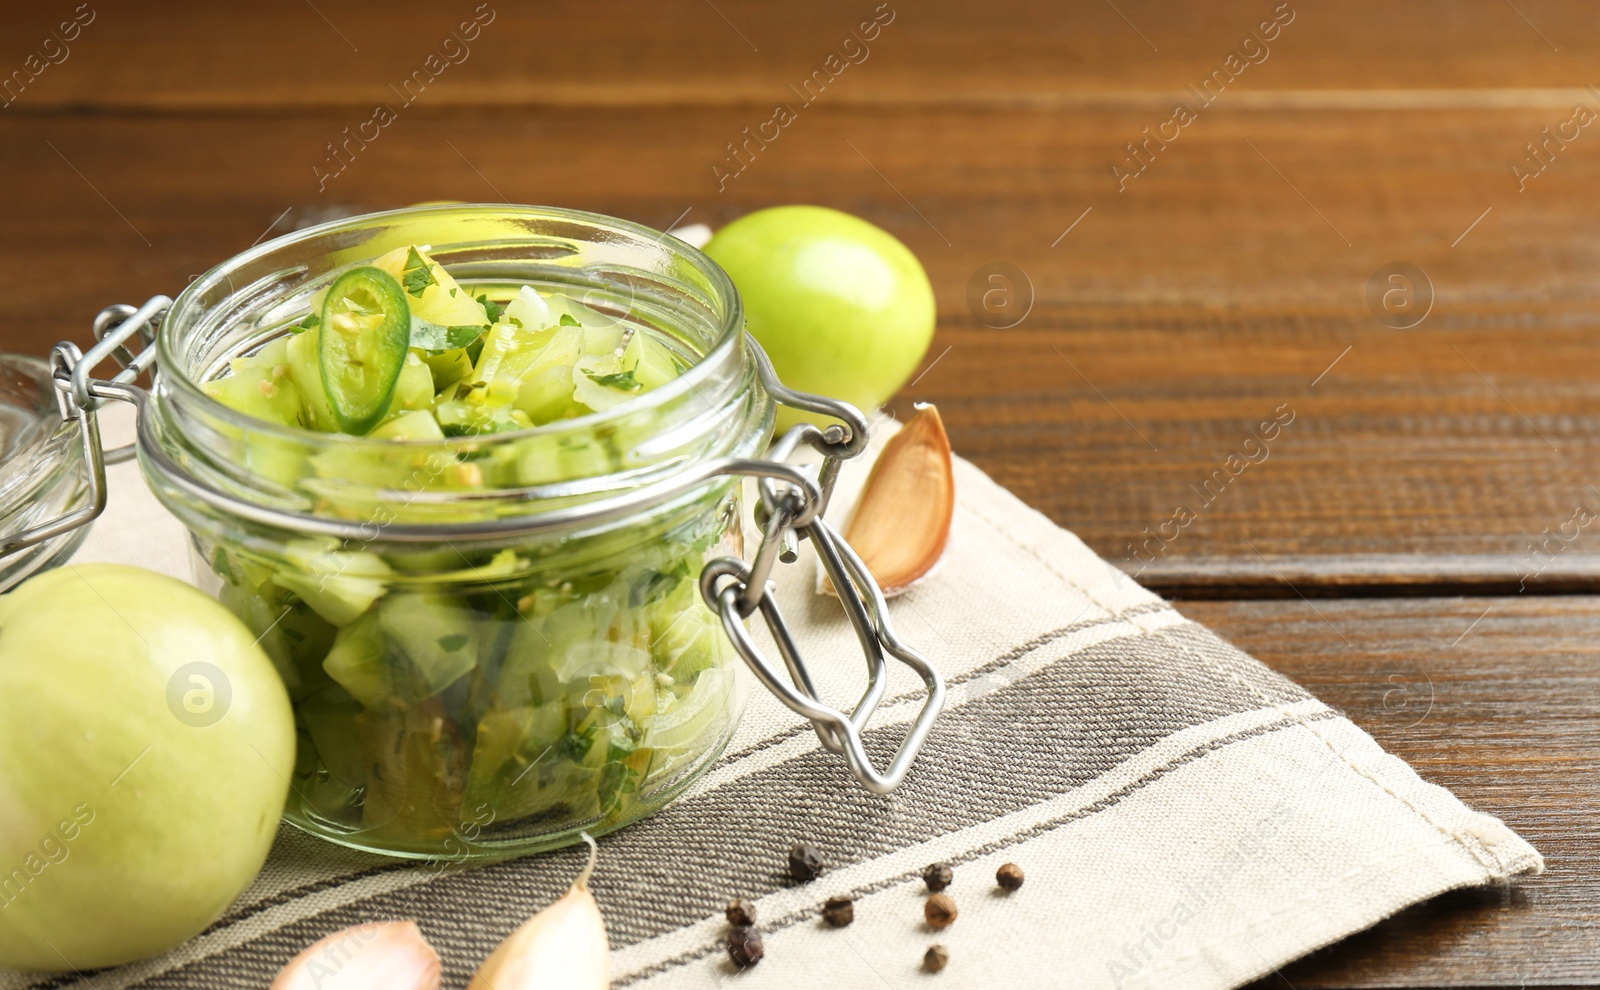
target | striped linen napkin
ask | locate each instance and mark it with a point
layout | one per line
(1185, 817)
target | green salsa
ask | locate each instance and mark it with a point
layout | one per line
(444, 693)
(399, 349)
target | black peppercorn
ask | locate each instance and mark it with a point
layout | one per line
(935, 958)
(839, 911)
(1009, 876)
(744, 946)
(938, 876)
(940, 910)
(805, 862)
(741, 912)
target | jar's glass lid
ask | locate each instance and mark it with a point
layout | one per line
(41, 476)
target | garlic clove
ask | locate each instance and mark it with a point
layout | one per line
(382, 955)
(902, 520)
(563, 947)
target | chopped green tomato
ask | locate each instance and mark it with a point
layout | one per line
(407, 468)
(686, 637)
(338, 584)
(365, 332)
(527, 369)
(607, 341)
(563, 347)
(440, 300)
(416, 761)
(448, 367)
(262, 387)
(606, 375)
(414, 388)
(459, 418)
(576, 313)
(680, 728)
(418, 424)
(510, 353)
(258, 387)
(528, 310)
(356, 662)
(515, 759)
(330, 718)
(602, 391)
(653, 365)
(305, 377)
(545, 395)
(436, 633)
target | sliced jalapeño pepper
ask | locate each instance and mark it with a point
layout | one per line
(366, 329)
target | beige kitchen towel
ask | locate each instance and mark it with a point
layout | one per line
(1185, 817)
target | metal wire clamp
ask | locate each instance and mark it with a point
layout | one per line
(79, 396)
(734, 590)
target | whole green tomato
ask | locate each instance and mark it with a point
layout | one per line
(145, 750)
(842, 307)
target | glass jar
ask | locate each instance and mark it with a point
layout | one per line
(40, 479)
(494, 642)
(500, 693)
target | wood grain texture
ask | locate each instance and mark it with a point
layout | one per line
(1494, 699)
(1164, 328)
(192, 56)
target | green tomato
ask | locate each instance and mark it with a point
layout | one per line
(842, 307)
(145, 748)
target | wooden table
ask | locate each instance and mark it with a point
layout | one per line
(1416, 546)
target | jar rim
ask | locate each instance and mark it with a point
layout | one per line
(728, 336)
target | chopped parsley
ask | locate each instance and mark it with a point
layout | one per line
(417, 275)
(568, 321)
(433, 337)
(452, 642)
(311, 322)
(491, 307)
(616, 779)
(623, 380)
(220, 564)
(653, 584)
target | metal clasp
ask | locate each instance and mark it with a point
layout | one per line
(788, 513)
(79, 396)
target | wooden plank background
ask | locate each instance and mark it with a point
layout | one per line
(1168, 315)
(1220, 284)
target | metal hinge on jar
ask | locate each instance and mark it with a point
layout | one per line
(79, 396)
(735, 589)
